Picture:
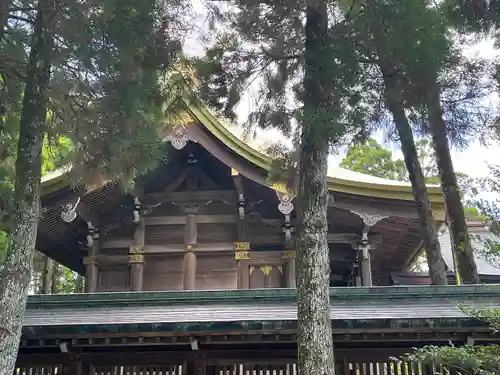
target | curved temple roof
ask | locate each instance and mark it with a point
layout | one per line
(339, 180)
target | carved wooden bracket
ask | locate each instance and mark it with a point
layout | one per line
(266, 270)
(369, 219)
(137, 210)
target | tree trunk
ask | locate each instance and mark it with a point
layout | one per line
(15, 274)
(458, 225)
(314, 333)
(47, 275)
(4, 16)
(435, 261)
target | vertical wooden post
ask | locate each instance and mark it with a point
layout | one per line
(289, 269)
(366, 266)
(242, 245)
(190, 239)
(92, 270)
(136, 257)
(196, 365)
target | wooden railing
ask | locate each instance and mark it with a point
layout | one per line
(351, 362)
(137, 370)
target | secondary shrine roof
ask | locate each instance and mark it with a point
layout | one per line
(196, 311)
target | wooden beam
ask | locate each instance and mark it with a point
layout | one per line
(200, 219)
(200, 248)
(86, 214)
(178, 180)
(375, 209)
(350, 238)
(228, 196)
(117, 243)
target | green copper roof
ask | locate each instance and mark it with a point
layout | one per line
(342, 180)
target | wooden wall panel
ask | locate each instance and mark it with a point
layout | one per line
(121, 232)
(210, 233)
(114, 279)
(216, 271)
(167, 209)
(115, 251)
(261, 233)
(259, 280)
(164, 234)
(218, 208)
(163, 272)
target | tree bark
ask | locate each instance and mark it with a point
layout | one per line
(15, 274)
(435, 261)
(458, 225)
(314, 338)
(47, 275)
(4, 16)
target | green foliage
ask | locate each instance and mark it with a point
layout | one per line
(106, 96)
(460, 359)
(264, 51)
(373, 159)
(468, 359)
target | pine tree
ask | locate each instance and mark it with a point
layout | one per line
(95, 80)
(309, 77)
(15, 274)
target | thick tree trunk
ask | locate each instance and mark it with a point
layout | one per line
(458, 225)
(314, 338)
(435, 261)
(15, 274)
(4, 16)
(47, 275)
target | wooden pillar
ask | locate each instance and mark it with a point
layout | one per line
(136, 257)
(196, 366)
(190, 239)
(242, 256)
(289, 268)
(242, 246)
(366, 265)
(92, 270)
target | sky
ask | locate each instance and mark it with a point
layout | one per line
(473, 161)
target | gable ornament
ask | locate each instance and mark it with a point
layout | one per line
(179, 137)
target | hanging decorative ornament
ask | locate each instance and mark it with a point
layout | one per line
(179, 137)
(69, 211)
(285, 206)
